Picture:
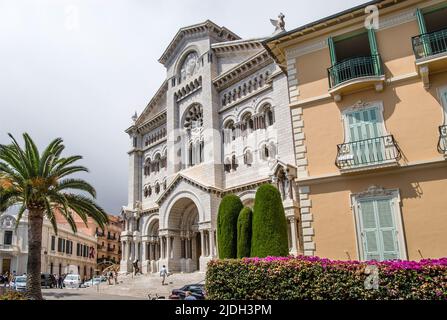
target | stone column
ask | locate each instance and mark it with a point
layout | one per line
(123, 250)
(212, 244)
(294, 235)
(168, 247)
(202, 238)
(129, 250)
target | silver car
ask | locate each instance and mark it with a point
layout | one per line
(19, 284)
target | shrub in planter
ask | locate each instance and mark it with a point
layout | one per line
(269, 226)
(312, 278)
(229, 210)
(244, 233)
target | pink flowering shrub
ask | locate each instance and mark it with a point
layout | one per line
(312, 278)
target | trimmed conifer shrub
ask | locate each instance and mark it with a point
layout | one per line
(229, 210)
(244, 233)
(269, 226)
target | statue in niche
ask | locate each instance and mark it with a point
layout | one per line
(279, 24)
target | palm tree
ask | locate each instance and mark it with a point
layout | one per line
(40, 184)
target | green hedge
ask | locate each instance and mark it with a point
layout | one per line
(244, 233)
(311, 278)
(269, 226)
(229, 210)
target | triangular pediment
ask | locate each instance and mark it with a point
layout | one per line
(221, 33)
(176, 183)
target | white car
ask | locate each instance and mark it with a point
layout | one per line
(19, 283)
(72, 281)
(92, 282)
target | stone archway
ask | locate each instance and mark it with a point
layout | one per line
(182, 245)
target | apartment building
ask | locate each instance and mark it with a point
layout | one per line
(368, 99)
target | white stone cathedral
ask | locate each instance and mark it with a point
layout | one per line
(219, 124)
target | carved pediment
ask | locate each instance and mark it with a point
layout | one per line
(375, 191)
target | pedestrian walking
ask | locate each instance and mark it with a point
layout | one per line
(163, 273)
(61, 281)
(115, 277)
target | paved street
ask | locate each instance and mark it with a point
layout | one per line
(82, 294)
(128, 288)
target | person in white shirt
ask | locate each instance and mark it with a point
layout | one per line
(163, 274)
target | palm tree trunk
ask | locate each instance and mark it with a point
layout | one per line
(35, 221)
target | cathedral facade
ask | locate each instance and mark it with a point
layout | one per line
(219, 124)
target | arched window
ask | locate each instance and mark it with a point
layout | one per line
(234, 164)
(267, 116)
(229, 132)
(157, 188)
(248, 158)
(266, 152)
(147, 167)
(227, 165)
(247, 124)
(165, 185)
(157, 162)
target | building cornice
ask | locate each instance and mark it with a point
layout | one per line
(237, 45)
(243, 70)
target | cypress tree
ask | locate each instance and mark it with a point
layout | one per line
(244, 233)
(229, 210)
(269, 226)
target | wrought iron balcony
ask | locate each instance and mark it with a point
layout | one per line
(442, 145)
(359, 67)
(369, 152)
(430, 44)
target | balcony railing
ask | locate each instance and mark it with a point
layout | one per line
(354, 68)
(442, 145)
(374, 151)
(430, 44)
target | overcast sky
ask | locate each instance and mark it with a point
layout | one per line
(80, 69)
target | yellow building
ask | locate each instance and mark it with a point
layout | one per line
(109, 243)
(368, 98)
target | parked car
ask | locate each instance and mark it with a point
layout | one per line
(19, 283)
(72, 281)
(197, 290)
(92, 282)
(47, 280)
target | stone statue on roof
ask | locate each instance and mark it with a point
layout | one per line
(279, 24)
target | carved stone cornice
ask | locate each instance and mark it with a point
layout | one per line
(237, 45)
(374, 191)
(242, 70)
(152, 123)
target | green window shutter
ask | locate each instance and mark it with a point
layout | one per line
(330, 42)
(421, 21)
(369, 231)
(423, 31)
(365, 132)
(378, 230)
(388, 232)
(374, 51)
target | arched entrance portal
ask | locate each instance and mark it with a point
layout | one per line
(183, 241)
(152, 248)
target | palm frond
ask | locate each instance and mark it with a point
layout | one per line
(19, 215)
(76, 184)
(32, 154)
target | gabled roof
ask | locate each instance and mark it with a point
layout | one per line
(221, 33)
